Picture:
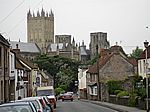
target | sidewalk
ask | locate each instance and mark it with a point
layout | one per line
(119, 108)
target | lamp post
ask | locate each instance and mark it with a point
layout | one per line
(146, 65)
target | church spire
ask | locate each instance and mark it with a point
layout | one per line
(42, 12)
(38, 14)
(29, 13)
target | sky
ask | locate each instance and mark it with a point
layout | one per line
(124, 21)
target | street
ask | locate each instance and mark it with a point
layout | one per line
(79, 106)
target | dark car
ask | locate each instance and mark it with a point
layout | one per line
(67, 96)
(18, 107)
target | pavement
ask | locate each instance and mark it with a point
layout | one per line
(119, 108)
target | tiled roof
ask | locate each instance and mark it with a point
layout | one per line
(102, 62)
(25, 47)
(143, 56)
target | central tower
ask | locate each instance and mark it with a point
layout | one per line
(40, 29)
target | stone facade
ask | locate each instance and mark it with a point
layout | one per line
(4, 70)
(62, 38)
(98, 39)
(40, 29)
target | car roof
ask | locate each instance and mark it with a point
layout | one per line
(33, 98)
(15, 103)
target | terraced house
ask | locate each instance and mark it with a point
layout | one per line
(4, 70)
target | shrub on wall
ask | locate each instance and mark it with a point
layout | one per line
(114, 85)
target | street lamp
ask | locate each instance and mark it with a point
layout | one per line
(146, 65)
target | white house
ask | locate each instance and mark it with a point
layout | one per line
(82, 82)
(142, 63)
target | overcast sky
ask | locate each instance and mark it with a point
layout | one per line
(124, 21)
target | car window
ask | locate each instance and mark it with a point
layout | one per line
(16, 108)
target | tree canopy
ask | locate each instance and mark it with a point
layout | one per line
(64, 70)
(136, 53)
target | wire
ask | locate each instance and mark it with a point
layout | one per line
(11, 12)
(16, 25)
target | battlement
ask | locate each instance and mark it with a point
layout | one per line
(40, 14)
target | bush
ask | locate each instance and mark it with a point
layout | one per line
(133, 100)
(114, 85)
(58, 91)
(122, 93)
(117, 91)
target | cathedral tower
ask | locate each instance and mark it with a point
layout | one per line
(40, 28)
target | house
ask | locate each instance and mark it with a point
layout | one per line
(27, 50)
(113, 64)
(44, 79)
(4, 69)
(142, 63)
(82, 82)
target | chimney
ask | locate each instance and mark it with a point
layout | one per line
(17, 50)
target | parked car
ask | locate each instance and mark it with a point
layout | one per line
(52, 100)
(45, 107)
(67, 96)
(36, 102)
(18, 107)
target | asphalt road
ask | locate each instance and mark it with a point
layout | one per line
(79, 106)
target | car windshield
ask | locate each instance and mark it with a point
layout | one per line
(15, 108)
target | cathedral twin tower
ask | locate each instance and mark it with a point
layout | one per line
(40, 28)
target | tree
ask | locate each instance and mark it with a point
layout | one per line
(64, 70)
(136, 53)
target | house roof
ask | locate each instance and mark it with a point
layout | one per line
(25, 47)
(26, 62)
(143, 56)
(101, 62)
(4, 41)
(106, 54)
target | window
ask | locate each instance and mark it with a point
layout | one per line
(96, 91)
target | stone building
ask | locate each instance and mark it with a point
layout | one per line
(27, 50)
(112, 65)
(40, 28)
(4, 69)
(69, 50)
(62, 38)
(98, 39)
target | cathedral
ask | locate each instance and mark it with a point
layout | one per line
(40, 28)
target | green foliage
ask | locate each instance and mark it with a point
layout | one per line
(114, 85)
(136, 53)
(64, 87)
(64, 70)
(117, 91)
(122, 93)
(91, 62)
(133, 99)
(58, 91)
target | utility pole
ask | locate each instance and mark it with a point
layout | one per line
(147, 83)
(98, 82)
